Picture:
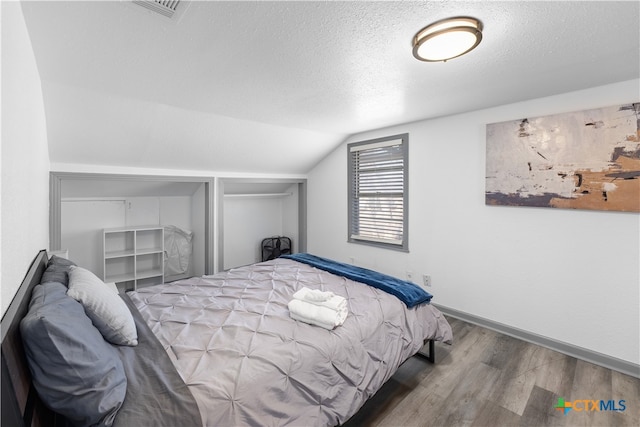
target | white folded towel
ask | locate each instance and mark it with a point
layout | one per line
(316, 314)
(324, 299)
(311, 322)
(313, 295)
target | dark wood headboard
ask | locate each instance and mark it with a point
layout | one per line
(21, 405)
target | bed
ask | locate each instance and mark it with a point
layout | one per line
(223, 350)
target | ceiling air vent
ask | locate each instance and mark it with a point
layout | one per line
(163, 7)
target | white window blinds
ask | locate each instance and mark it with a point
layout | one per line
(377, 200)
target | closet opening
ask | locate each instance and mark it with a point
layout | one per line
(84, 206)
(253, 209)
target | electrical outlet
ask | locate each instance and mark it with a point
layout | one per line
(409, 276)
(426, 280)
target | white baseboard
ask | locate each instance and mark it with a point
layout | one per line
(587, 355)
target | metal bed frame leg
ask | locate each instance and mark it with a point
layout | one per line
(431, 357)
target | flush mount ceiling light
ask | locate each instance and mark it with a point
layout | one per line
(447, 39)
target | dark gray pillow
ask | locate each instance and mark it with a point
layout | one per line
(75, 371)
(57, 270)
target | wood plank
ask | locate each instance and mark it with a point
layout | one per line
(417, 409)
(626, 388)
(517, 378)
(540, 410)
(492, 414)
(591, 382)
(555, 371)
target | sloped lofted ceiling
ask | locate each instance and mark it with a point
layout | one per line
(273, 87)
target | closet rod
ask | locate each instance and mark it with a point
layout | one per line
(259, 195)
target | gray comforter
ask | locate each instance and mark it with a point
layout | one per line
(156, 395)
(246, 362)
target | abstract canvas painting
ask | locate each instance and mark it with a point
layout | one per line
(583, 160)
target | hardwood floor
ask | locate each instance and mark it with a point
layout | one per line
(489, 379)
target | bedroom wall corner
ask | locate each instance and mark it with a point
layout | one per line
(569, 275)
(24, 206)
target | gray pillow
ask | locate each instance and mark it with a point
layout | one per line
(103, 305)
(57, 270)
(75, 371)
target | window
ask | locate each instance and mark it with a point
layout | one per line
(378, 192)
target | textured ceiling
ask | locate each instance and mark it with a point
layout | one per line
(272, 87)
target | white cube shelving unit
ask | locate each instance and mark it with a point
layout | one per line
(134, 256)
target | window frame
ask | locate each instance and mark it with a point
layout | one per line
(352, 236)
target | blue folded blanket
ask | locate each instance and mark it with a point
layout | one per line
(407, 292)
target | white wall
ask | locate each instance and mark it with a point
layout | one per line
(248, 220)
(176, 211)
(82, 222)
(24, 208)
(570, 275)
